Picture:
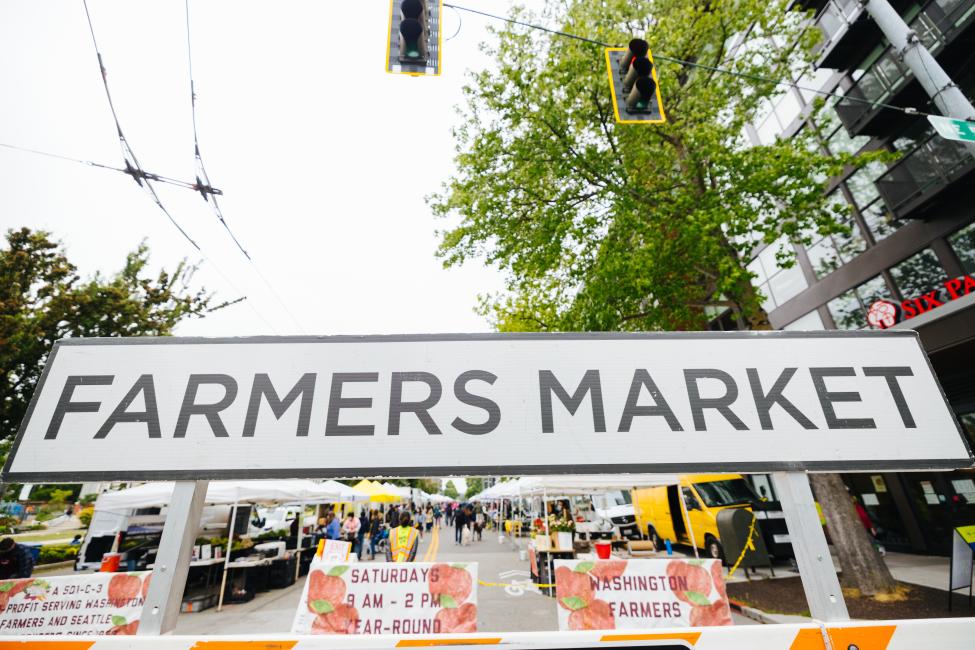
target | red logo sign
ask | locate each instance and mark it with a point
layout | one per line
(882, 314)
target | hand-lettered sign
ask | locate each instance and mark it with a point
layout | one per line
(634, 594)
(92, 604)
(388, 598)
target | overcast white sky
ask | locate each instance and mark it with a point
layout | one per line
(323, 158)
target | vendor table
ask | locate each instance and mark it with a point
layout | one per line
(245, 577)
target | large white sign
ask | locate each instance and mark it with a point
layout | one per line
(388, 598)
(416, 406)
(93, 604)
(637, 594)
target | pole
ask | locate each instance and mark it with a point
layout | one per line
(949, 99)
(687, 520)
(226, 560)
(301, 528)
(819, 581)
(173, 559)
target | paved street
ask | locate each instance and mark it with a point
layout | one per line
(515, 607)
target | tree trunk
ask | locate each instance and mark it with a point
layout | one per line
(863, 567)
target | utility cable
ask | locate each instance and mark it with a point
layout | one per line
(205, 187)
(89, 163)
(132, 166)
(742, 75)
(135, 170)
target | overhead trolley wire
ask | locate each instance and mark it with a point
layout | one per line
(135, 170)
(132, 166)
(205, 187)
(742, 75)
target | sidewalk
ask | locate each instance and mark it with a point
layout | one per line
(924, 570)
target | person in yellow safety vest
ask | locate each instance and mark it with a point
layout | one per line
(403, 541)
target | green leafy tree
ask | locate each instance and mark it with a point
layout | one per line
(43, 299)
(475, 484)
(450, 490)
(603, 226)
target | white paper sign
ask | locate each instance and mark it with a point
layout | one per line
(388, 598)
(416, 406)
(335, 551)
(92, 604)
(638, 594)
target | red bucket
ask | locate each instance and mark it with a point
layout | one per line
(110, 562)
(603, 549)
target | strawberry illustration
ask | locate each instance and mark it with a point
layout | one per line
(717, 577)
(121, 627)
(458, 619)
(714, 614)
(597, 616)
(122, 588)
(573, 589)
(608, 569)
(9, 588)
(342, 619)
(452, 583)
(326, 590)
(698, 581)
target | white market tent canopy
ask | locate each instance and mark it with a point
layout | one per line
(224, 493)
(571, 485)
(347, 492)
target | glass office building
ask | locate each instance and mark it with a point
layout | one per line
(908, 261)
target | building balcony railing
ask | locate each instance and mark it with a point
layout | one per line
(926, 172)
(843, 23)
(888, 80)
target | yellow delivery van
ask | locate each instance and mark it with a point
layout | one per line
(660, 516)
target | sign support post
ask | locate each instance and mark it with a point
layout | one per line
(819, 581)
(173, 559)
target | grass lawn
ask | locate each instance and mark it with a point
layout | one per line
(48, 535)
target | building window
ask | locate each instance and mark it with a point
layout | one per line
(778, 285)
(849, 310)
(861, 184)
(826, 254)
(880, 222)
(963, 242)
(809, 323)
(778, 115)
(968, 425)
(918, 274)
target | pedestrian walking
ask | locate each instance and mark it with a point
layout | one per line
(428, 519)
(403, 541)
(350, 530)
(438, 516)
(361, 535)
(421, 521)
(375, 532)
(460, 523)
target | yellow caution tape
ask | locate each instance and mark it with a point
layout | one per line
(749, 544)
(512, 584)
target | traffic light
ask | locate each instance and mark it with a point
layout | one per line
(633, 82)
(414, 43)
